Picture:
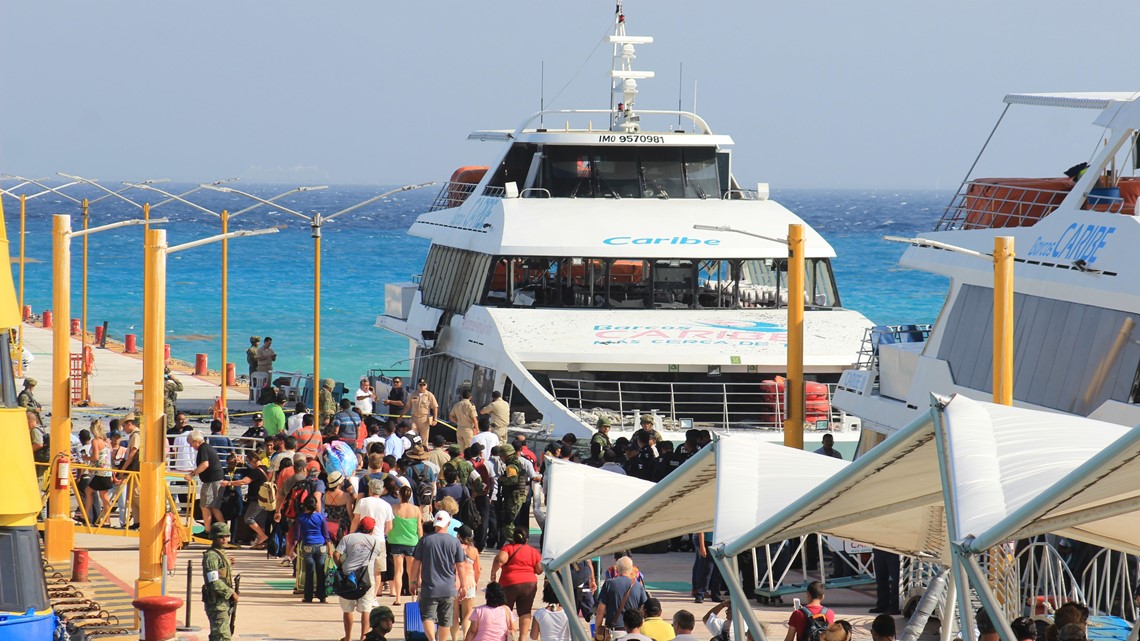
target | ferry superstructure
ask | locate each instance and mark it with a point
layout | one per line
(1077, 301)
(569, 275)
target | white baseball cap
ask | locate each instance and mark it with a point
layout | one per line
(442, 518)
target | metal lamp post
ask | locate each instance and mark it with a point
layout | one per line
(59, 529)
(315, 221)
(224, 216)
(152, 467)
(794, 387)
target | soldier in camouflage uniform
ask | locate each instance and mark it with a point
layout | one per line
(602, 436)
(218, 591)
(512, 492)
(170, 388)
(463, 467)
(328, 405)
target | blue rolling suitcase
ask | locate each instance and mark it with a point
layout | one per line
(413, 625)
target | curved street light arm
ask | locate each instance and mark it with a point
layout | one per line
(221, 237)
(122, 223)
(47, 189)
(278, 197)
(321, 219)
(262, 201)
(726, 228)
(95, 183)
(170, 198)
(198, 188)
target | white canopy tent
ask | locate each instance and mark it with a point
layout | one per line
(736, 479)
(1012, 472)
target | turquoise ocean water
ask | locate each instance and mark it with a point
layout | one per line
(271, 277)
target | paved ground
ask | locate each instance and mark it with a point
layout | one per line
(269, 610)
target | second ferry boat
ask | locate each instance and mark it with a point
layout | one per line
(569, 276)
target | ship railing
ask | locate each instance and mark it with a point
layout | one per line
(878, 335)
(994, 205)
(740, 194)
(710, 405)
(454, 194)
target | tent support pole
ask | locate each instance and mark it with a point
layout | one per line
(741, 609)
(559, 582)
(970, 564)
(962, 586)
(950, 505)
(947, 617)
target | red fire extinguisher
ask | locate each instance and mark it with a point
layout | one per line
(62, 472)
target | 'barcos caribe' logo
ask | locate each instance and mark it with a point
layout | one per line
(737, 333)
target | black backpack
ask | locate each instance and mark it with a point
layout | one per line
(468, 513)
(815, 624)
(422, 485)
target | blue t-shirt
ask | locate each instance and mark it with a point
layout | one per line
(311, 529)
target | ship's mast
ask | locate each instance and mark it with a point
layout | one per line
(623, 83)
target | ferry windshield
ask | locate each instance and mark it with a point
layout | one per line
(630, 172)
(637, 283)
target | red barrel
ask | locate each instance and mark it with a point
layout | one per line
(47, 319)
(199, 364)
(166, 352)
(76, 326)
(79, 562)
(157, 620)
(98, 333)
(129, 345)
(27, 312)
(231, 375)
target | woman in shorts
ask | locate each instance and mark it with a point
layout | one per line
(465, 601)
(407, 529)
(520, 564)
(101, 480)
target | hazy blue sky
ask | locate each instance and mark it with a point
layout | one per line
(892, 93)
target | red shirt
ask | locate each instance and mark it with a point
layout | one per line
(519, 568)
(798, 621)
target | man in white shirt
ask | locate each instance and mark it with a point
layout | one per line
(365, 397)
(293, 423)
(486, 437)
(377, 508)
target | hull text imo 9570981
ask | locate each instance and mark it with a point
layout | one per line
(569, 276)
(1076, 302)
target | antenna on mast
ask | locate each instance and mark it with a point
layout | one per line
(541, 92)
(623, 83)
(680, 90)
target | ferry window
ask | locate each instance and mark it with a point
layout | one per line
(446, 282)
(630, 172)
(701, 177)
(662, 173)
(618, 172)
(514, 166)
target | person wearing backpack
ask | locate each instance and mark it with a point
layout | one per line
(421, 476)
(811, 620)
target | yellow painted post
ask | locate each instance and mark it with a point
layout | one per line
(794, 387)
(59, 530)
(153, 424)
(86, 392)
(20, 334)
(316, 226)
(1003, 320)
(225, 318)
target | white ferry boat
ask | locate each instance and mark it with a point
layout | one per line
(568, 275)
(1076, 307)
